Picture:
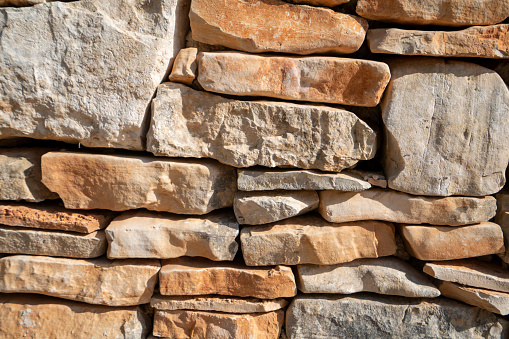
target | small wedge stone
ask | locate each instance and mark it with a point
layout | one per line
(184, 66)
(496, 302)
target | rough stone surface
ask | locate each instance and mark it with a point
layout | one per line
(94, 281)
(496, 302)
(382, 275)
(389, 317)
(17, 240)
(448, 243)
(142, 234)
(242, 25)
(258, 208)
(345, 81)
(217, 304)
(374, 178)
(324, 3)
(479, 42)
(433, 12)
(31, 316)
(262, 179)
(311, 240)
(388, 205)
(449, 137)
(184, 67)
(118, 183)
(502, 218)
(6, 3)
(189, 123)
(184, 276)
(85, 71)
(196, 324)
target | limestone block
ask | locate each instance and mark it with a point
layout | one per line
(496, 302)
(184, 66)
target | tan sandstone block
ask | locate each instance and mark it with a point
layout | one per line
(184, 66)
(496, 302)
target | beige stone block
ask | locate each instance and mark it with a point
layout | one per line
(496, 302)
(184, 66)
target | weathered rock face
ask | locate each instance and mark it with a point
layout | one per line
(195, 324)
(496, 302)
(118, 183)
(318, 79)
(257, 208)
(324, 3)
(143, 234)
(382, 275)
(5, 3)
(502, 218)
(480, 42)
(242, 25)
(311, 240)
(189, 123)
(16, 240)
(432, 12)
(86, 49)
(184, 67)
(20, 175)
(449, 137)
(388, 205)
(31, 316)
(448, 243)
(94, 281)
(388, 317)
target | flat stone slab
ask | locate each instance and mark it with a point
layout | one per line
(393, 206)
(94, 281)
(344, 81)
(142, 234)
(311, 240)
(496, 302)
(192, 276)
(197, 124)
(386, 275)
(324, 3)
(119, 183)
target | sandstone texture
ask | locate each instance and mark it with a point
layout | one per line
(142, 234)
(324, 3)
(85, 71)
(449, 137)
(378, 316)
(242, 25)
(5, 3)
(189, 123)
(31, 316)
(479, 42)
(433, 12)
(311, 240)
(496, 302)
(94, 281)
(387, 275)
(184, 66)
(258, 208)
(184, 276)
(388, 205)
(448, 243)
(345, 81)
(502, 218)
(196, 324)
(118, 183)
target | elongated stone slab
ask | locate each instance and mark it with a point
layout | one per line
(449, 243)
(189, 123)
(35, 316)
(393, 206)
(477, 42)
(324, 3)
(94, 281)
(143, 234)
(318, 79)
(496, 302)
(387, 275)
(119, 183)
(17, 240)
(5, 3)
(311, 240)
(192, 276)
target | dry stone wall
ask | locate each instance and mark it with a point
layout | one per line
(254, 169)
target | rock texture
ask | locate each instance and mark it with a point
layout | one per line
(478, 42)
(6, 3)
(184, 67)
(94, 281)
(324, 3)
(388, 205)
(189, 123)
(114, 54)
(185, 276)
(143, 234)
(119, 183)
(502, 218)
(496, 302)
(448, 243)
(257, 208)
(450, 137)
(311, 240)
(318, 79)
(379, 316)
(382, 275)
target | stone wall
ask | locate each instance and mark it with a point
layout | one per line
(254, 169)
